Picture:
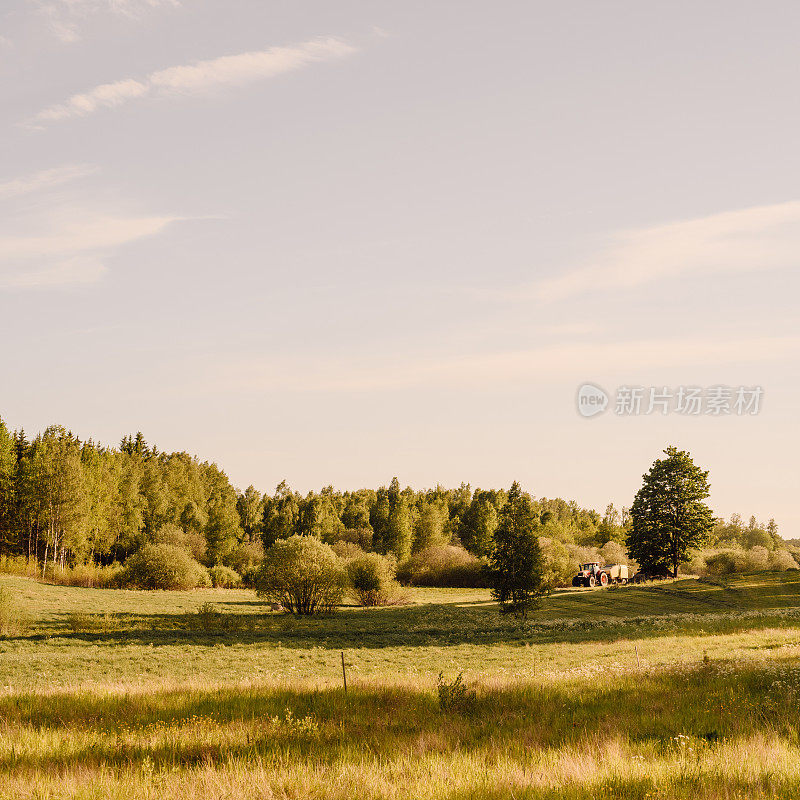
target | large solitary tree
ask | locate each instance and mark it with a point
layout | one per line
(515, 563)
(668, 515)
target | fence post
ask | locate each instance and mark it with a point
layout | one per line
(344, 674)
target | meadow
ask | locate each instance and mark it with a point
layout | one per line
(687, 688)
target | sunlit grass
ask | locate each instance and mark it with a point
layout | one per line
(686, 690)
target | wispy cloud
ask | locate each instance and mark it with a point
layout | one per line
(519, 367)
(65, 17)
(200, 78)
(758, 238)
(44, 179)
(62, 239)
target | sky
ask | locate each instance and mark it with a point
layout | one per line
(333, 243)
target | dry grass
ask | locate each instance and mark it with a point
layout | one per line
(710, 731)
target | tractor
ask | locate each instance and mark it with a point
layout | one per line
(592, 574)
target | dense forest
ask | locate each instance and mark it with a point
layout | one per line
(65, 502)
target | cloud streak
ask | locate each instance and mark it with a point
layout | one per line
(751, 239)
(66, 239)
(64, 17)
(199, 78)
(44, 180)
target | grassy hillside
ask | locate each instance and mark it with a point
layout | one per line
(686, 689)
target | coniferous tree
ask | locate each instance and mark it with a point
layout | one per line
(668, 516)
(515, 565)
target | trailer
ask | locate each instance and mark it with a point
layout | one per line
(593, 574)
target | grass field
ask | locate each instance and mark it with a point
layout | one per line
(683, 689)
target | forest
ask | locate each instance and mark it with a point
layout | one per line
(65, 502)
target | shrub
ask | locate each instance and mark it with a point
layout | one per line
(192, 542)
(13, 621)
(454, 696)
(727, 562)
(359, 536)
(614, 553)
(164, 566)
(558, 568)
(224, 577)
(245, 558)
(90, 576)
(347, 550)
(781, 560)
(302, 574)
(447, 565)
(20, 565)
(372, 580)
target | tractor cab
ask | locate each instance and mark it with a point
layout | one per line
(589, 574)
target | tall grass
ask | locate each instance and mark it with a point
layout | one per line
(89, 576)
(711, 731)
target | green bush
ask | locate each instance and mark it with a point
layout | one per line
(164, 566)
(245, 558)
(372, 580)
(224, 577)
(193, 542)
(728, 562)
(446, 565)
(302, 574)
(454, 696)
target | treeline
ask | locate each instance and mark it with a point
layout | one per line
(67, 502)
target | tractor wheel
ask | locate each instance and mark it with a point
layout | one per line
(604, 579)
(592, 582)
(577, 581)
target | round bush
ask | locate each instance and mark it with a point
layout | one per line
(164, 566)
(302, 574)
(224, 577)
(446, 565)
(372, 579)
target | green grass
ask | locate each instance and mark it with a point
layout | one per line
(682, 689)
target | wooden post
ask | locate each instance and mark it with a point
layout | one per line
(344, 674)
(638, 663)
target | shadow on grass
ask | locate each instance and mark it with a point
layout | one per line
(397, 626)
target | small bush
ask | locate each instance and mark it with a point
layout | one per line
(164, 566)
(454, 696)
(303, 574)
(13, 621)
(224, 578)
(447, 565)
(372, 580)
(781, 560)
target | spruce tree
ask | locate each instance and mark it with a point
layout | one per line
(515, 563)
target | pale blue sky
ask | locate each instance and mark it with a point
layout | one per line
(337, 242)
